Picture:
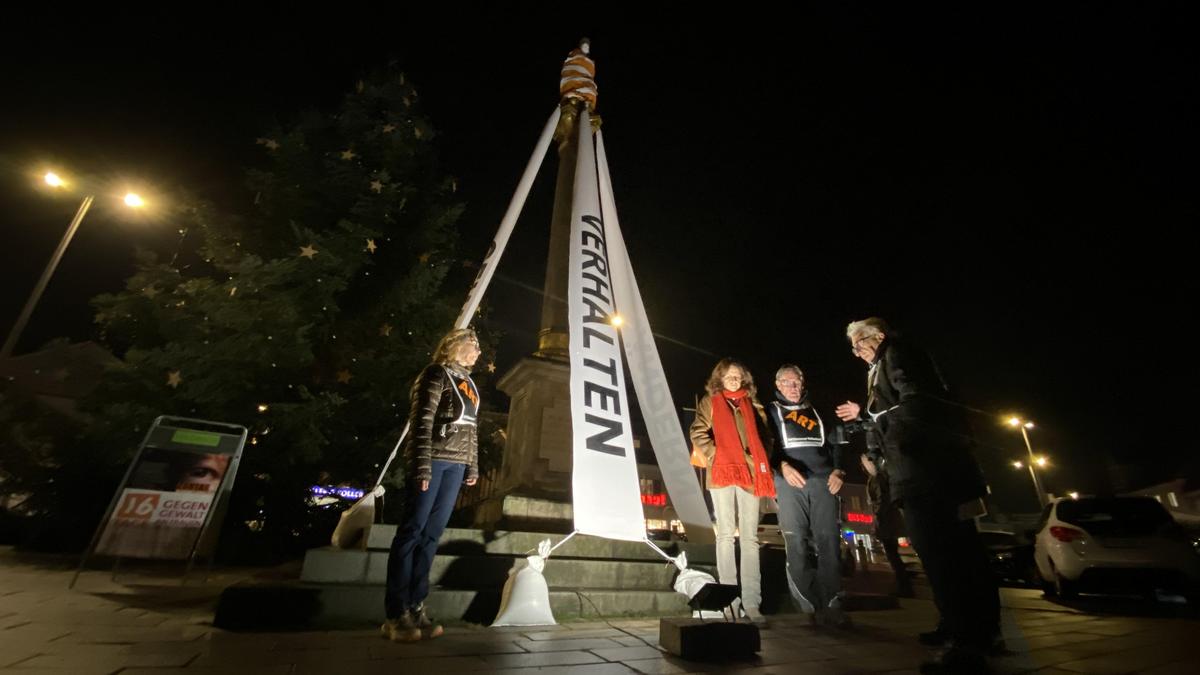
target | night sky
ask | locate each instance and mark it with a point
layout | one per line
(1010, 188)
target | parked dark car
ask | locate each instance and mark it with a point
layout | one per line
(1011, 557)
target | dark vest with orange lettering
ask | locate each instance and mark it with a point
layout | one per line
(465, 402)
(801, 437)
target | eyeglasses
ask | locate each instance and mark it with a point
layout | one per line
(856, 347)
(788, 384)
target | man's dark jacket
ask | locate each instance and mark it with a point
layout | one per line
(926, 438)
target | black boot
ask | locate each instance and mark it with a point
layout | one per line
(934, 638)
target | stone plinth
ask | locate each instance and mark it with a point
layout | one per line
(537, 452)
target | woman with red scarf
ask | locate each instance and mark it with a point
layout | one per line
(730, 431)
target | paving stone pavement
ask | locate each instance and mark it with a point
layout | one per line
(150, 624)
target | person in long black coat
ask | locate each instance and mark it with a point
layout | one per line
(933, 476)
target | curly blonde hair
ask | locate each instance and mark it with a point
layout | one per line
(714, 386)
(444, 353)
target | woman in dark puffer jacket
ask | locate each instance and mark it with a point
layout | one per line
(442, 453)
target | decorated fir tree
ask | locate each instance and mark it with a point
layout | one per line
(306, 315)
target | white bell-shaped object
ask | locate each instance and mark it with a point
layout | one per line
(525, 600)
(689, 582)
(355, 521)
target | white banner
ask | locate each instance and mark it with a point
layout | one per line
(606, 493)
(492, 257)
(645, 369)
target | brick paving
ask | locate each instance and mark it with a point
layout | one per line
(150, 624)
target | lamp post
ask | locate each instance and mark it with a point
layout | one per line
(1025, 426)
(53, 180)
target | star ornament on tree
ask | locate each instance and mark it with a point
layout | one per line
(348, 154)
(389, 128)
(385, 330)
(371, 245)
(344, 377)
(377, 186)
(174, 379)
(308, 251)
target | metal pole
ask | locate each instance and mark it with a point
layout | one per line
(1037, 485)
(19, 326)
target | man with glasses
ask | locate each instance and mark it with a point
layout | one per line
(934, 478)
(807, 480)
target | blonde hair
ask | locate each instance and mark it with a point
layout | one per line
(449, 344)
(866, 328)
(714, 385)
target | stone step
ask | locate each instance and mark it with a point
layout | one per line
(325, 606)
(331, 565)
(464, 541)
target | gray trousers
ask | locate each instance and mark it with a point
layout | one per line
(737, 510)
(808, 517)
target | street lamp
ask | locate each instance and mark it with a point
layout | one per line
(54, 180)
(1025, 426)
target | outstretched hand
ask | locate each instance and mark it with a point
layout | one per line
(848, 411)
(424, 486)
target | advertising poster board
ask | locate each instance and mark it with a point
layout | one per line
(168, 506)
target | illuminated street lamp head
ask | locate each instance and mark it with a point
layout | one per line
(134, 201)
(53, 180)
(1041, 461)
(1017, 465)
(1029, 425)
(262, 407)
(1014, 421)
(616, 320)
(1073, 495)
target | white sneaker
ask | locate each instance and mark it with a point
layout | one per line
(755, 616)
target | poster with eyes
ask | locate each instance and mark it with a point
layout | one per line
(169, 495)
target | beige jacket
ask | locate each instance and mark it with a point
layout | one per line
(702, 433)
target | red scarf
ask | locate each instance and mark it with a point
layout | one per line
(729, 464)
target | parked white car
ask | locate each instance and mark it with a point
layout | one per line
(1113, 545)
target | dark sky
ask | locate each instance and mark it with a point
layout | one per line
(1012, 188)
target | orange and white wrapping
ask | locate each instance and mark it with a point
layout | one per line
(579, 77)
